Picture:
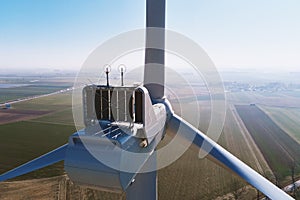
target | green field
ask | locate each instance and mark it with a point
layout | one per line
(279, 149)
(56, 102)
(7, 94)
(42, 85)
(23, 141)
(63, 117)
(286, 118)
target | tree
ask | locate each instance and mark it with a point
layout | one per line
(258, 194)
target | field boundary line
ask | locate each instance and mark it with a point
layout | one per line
(44, 122)
(248, 138)
(14, 101)
(51, 112)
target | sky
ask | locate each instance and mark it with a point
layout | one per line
(238, 34)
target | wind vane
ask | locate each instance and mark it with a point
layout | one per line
(122, 70)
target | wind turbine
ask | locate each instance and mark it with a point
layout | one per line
(148, 115)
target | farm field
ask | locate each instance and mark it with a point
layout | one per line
(26, 131)
(239, 142)
(23, 141)
(276, 99)
(8, 94)
(241, 97)
(279, 149)
(32, 142)
(16, 88)
(15, 115)
(286, 118)
(203, 179)
(58, 187)
(192, 178)
(53, 103)
(187, 178)
(63, 117)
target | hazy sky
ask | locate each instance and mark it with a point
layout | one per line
(234, 33)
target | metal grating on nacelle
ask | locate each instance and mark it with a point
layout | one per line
(112, 104)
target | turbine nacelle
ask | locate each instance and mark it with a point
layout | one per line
(119, 120)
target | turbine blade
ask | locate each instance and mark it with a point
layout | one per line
(154, 72)
(38, 163)
(145, 184)
(226, 159)
(144, 187)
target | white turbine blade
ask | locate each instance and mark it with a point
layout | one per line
(154, 72)
(186, 130)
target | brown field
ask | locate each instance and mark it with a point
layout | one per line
(53, 188)
(242, 145)
(279, 149)
(15, 115)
